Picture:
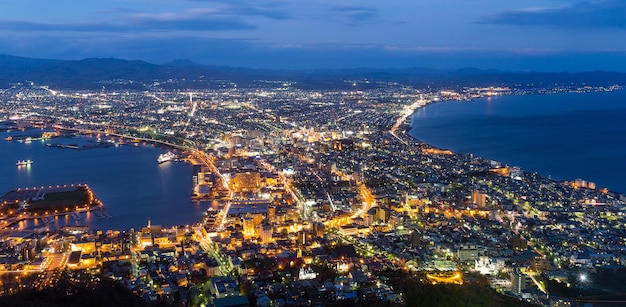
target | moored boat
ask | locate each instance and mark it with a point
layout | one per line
(23, 162)
(169, 156)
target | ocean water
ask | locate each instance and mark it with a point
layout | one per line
(564, 136)
(127, 179)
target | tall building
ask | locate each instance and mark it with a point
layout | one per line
(479, 198)
(301, 238)
(318, 229)
(271, 214)
(248, 228)
(382, 215)
(196, 169)
(518, 281)
(266, 233)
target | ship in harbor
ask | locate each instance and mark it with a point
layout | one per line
(169, 156)
(23, 162)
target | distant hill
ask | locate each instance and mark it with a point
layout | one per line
(93, 73)
(183, 63)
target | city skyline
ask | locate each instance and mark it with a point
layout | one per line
(535, 35)
(370, 154)
(309, 197)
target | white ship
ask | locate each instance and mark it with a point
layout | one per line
(169, 156)
(23, 162)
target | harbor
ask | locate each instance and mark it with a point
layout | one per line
(45, 204)
(127, 179)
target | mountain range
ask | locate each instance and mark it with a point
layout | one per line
(93, 73)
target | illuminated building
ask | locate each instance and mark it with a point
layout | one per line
(318, 229)
(579, 183)
(435, 151)
(343, 145)
(503, 171)
(196, 169)
(486, 266)
(301, 241)
(271, 179)
(382, 215)
(306, 274)
(291, 214)
(467, 253)
(223, 286)
(85, 247)
(516, 173)
(518, 281)
(248, 227)
(446, 278)
(271, 214)
(247, 182)
(74, 259)
(266, 233)
(559, 302)
(479, 198)
(349, 230)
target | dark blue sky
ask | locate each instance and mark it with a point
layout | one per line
(540, 35)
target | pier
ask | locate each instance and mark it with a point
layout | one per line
(47, 218)
(47, 203)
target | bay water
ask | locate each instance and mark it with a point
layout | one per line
(564, 136)
(127, 179)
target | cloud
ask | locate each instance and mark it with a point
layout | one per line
(197, 19)
(267, 12)
(324, 45)
(587, 14)
(223, 15)
(396, 49)
(271, 10)
(354, 14)
(117, 10)
(191, 20)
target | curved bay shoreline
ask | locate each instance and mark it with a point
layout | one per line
(431, 135)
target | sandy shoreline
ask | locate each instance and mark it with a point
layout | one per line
(406, 129)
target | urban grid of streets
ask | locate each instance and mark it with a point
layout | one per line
(308, 179)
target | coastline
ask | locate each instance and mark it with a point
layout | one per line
(407, 126)
(115, 175)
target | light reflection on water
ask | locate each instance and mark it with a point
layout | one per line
(127, 179)
(565, 136)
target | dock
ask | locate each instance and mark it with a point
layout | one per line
(46, 203)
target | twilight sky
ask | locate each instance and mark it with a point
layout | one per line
(540, 35)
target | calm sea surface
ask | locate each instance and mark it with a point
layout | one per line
(565, 136)
(127, 179)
